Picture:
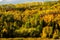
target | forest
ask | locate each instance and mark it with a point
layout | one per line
(35, 19)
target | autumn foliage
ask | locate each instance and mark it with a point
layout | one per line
(35, 19)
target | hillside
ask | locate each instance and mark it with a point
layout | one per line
(35, 19)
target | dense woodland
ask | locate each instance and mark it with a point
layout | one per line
(35, 19)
